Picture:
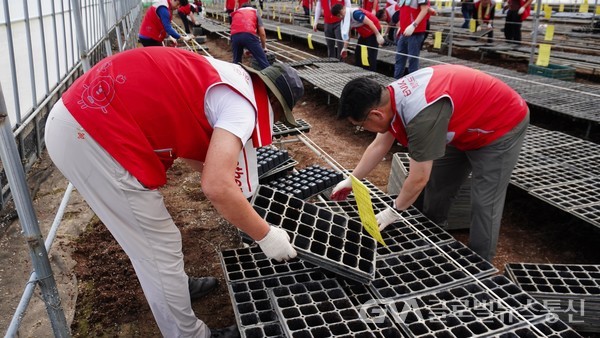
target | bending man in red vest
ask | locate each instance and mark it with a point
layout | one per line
(332, 29)
(368, 28)
(156, 25)
(245, 24)
(118, 129)
(455, 121)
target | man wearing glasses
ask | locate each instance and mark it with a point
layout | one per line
(455, 121)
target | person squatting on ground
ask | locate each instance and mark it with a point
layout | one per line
(368, 29)
(518, 11)
(484, 13)
(332, 31)
(248, 31)
(413, 24)
(120, 126)
(455, 121)
(156, 25)
(186, 14)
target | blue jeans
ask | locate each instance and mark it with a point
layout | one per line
(466, 13)
(408, 45)
(251, 42)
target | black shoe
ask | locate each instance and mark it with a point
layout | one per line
(201, 286)
(226, 332)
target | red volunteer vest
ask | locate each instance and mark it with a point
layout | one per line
(151, 26)
(326, 7)
(369, 4)
(484, 108)
(244, 20)
(484, 18)
(141, 109)
(364, 30)
(408, 15)
(186, 9)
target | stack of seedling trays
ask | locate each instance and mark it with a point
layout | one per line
(307, 182)
(322, 305)
(323, 309)
(273, 163)
(281, 130)
(344, 284)
(570, 291)
(491, 307)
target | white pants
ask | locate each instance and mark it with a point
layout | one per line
(136, 217)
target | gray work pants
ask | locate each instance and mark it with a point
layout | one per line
(135, 216)
(491, 168)
(333, 37)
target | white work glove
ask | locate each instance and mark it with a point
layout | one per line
(186, 37)
(521, 10)
(342, 190)
(478, 28)
(409, 30)
(276, 245)
(173, 40)
(380, 39)
(387, 217)
(490, 26)
(344, 53)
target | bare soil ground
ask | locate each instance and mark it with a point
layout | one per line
(109, 300)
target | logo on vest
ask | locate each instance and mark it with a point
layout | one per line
(407, 84)
(239, 172)
(100, 92)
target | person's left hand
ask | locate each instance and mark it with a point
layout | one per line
(173, 40)
(521, 10)
(387, 217)
(187, 37)
(409, 30)
(490, 26)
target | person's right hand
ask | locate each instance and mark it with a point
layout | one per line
(276, 245)
(315, 27)
(344, 53)
(186, 37)
(387, 217)
(479, 28)
(521, 10)
(342, 190)
(380, 39)
(173, 40)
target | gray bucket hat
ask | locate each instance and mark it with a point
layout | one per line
(283, 81)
